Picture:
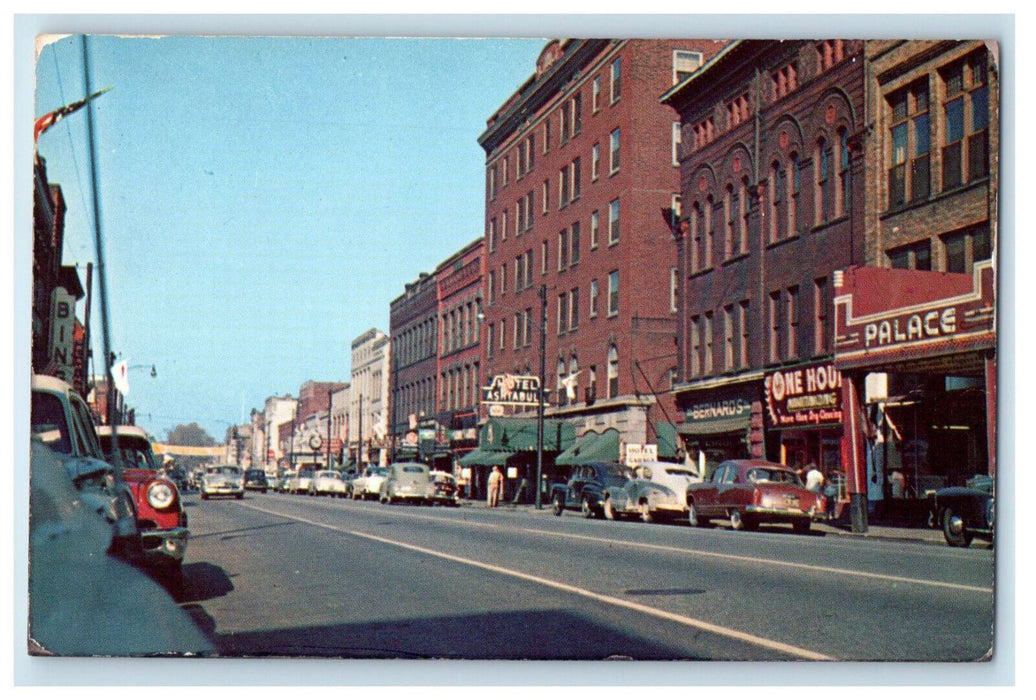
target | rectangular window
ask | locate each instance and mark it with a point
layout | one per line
(563, 250)
(563, 188)
(574, 244)
(503, 334)
(576, 171)
(706, 333)
(563, 124)
(544, 250)
(684, 64)
(792, 319)
(829, 53)
(504, 170)
(545, 196)
(820, 304)
(491, 235)
(677, 137)
(573, 309)
(728, 338)
(595, 94)
(577, 114)
(695, 334)
(490, 339)
(613, 293)
(595, 161)
(503, 225)
(593, 298)
(784, 81)
(562, 313)
(613, 153)
(674, 288)
(503, 280)
(595, 226)
(956, 253)
(492, 286)
(613, 222)
(743, 333)
(516, 331)
(528, 267)
(917, 256)
(616, 81)
(775, 326)
(546, 134)
(491, 182)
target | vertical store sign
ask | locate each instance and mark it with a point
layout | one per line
(62, 333)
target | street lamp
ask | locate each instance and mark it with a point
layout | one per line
(543, 383)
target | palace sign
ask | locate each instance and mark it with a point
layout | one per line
(512, 390)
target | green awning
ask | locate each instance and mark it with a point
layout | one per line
(482, 457)
(592, 447)
(519, 434)
(715, 426)
(665, 436)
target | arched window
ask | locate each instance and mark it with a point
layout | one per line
(794, 198)
(613, 372)
(777, 221)
(842, 201)
(562, 395)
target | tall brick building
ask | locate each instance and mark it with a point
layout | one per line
(771, 187)
(580, 161)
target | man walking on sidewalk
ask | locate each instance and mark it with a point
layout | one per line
(496, 487)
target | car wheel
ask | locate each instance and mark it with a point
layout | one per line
(204, 496)
(953, 529)
(609, 512)
(736, 521)
(585, 509)
(239, 496)
(559, 505)
(692, 515)
(645, 512)
(801, 528)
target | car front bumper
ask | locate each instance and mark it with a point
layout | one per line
(164, 546)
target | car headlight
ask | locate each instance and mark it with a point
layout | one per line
(160, 495)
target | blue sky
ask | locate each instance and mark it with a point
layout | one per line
(263, 200)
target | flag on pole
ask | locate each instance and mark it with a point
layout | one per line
(51, 118)
(119, 376)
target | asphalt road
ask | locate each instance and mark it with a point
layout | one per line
(288, 576)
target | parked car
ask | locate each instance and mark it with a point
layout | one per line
(444, 488)
(283, 481)
(223, 480)
(255, 480)
(299, 481)
(753, 491)
(327, 482)
(586, 488)
(368, 484)
(657, 490)
(161, 518)
(406, 481)
(61, 420)
(965, 512)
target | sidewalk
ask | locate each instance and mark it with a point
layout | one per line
(837, 528)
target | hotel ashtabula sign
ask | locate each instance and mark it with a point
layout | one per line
(512, 390)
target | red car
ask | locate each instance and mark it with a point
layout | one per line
(161, 517)
(752, 491)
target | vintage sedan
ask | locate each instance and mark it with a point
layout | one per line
(61, 420)
(586, 488)
(368, 484)
(223, 480)
(327, 482)
(161, 517)
(748, 492)
(658, 490)
(445, 488)
(299, 481)
(965, 512)
(407, 481)
(255, 480)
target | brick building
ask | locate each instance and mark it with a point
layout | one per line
(413, 327)
(580, 161)
(771, 194)
(916, 325)
(459, 280)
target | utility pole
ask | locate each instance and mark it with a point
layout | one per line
(539, 402)
(330, 393)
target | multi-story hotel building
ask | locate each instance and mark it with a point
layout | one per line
(580, 162)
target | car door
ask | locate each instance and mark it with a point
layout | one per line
(734, 491)
(575, 486)
(706, 493)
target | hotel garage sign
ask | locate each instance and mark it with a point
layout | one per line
(512, 390)
(808, 395)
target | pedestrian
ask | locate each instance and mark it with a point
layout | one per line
(496, 487)
(815, 483)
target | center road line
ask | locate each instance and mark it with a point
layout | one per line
(729, 557)
(610, 600)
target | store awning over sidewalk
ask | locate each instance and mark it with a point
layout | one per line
(480, 457)
(592, 447)
(519, 434)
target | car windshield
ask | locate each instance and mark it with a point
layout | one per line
(327, 475)
(680, 472)
(778, 476)
(48, 422)
(226, 471)
(413, 469)
(615, 474)
(381, 471)
(305, 474)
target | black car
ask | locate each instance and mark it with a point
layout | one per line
(255, 480)
(585, 489)
(965, 512)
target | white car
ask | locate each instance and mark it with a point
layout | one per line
(327, 483)
(368, 485)
(223, 480)
(658, 490)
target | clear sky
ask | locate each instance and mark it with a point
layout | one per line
(263, 200)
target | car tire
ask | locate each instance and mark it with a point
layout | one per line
(737, 521)
(692, 515)
(950, 523)
(204, 496)
(801, 528)
(585, 509)
(558, 505)
(609, 511)
(239, 496)
(645, 512)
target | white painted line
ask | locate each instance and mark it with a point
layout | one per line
(610, 600)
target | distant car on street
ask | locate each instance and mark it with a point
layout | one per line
(658, 490)
(255, 480)
(327, 482)
(368, 484)
(965, 512)
(445, 490)
(586, 488)
(299, 481)
(223, 480)
(407, 481)
(753, 491)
